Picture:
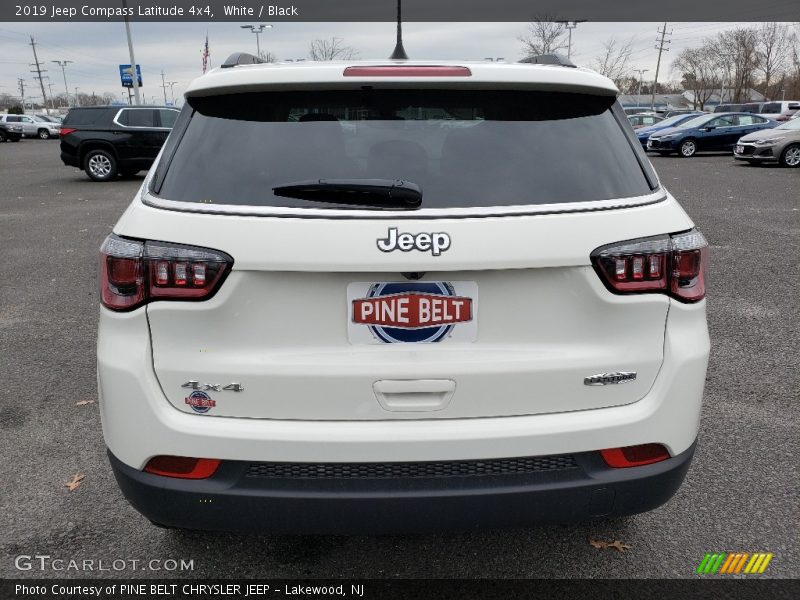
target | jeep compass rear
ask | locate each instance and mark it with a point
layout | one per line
(389, 297)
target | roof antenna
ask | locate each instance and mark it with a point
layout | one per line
(399, 52)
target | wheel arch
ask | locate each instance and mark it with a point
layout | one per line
(90, 145)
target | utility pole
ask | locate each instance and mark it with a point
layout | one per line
(21, 83)
(661, 48)
(134, 76)
(77, 98)
(38, 72)
(641, 72)
(63, 64)
(164, 86)
(50, 89)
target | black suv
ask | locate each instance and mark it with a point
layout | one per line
(106, 141)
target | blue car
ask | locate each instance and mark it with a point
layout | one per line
(645, 132)
(718, 131)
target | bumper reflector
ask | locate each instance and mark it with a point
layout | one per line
(634, 456)
(182, 467)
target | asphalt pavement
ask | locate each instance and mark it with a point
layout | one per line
(741, 493)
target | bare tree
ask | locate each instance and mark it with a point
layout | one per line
(699, 73)
(736, 52)
(268, 56)
(331, 49)
(774, 44)
(544, 36)
(614, 60)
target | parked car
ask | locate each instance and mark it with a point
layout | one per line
(106, 141)
(637, 121)
(680, 111)
(33, 126)
(724, 108)
(644, 133)
(636, 110)
(10, 132)
(781, 145)
(291, 329)
(50, 118)
(752, 107)
(780, 111)
(706, 132)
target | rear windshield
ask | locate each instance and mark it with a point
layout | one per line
(462, 148)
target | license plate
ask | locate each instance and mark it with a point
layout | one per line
(412, 312)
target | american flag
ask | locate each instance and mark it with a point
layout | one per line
(206, 54)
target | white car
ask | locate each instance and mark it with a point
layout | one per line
(33, 126)
(394, 325)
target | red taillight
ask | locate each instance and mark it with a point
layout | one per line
(67, 130)
(407, 71)
(634, 456)
(673, 264)
(182, 467)
(133, 273)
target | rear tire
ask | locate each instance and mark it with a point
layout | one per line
(790, 157)
(44, 134)
(687, 149)
(100, 165)
(3, 136)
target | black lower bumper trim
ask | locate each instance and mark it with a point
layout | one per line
(232, 501)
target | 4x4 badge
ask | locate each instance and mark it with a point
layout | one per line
(435, 243)
(215, 387)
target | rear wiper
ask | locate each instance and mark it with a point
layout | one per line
(382, 194)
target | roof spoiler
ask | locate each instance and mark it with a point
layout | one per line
(549, 59)
(241, 58)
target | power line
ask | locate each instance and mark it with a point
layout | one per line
(661, 48)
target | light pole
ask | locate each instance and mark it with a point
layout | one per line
(258, 30)
(639, 95)
(77, 100)
(63, 64)
(171, 85)
(569, 26)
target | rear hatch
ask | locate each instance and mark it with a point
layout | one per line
(343, 305)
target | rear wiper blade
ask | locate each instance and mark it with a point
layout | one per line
(381, 194)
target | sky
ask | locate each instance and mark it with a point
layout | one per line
(97, 49)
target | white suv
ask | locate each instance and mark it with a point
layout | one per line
(394, 296)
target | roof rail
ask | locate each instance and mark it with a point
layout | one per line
(549, 59)
(241, 58)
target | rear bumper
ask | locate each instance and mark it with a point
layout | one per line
(71, 160)
(233, 499)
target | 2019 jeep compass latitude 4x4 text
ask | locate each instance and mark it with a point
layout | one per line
(394, 296)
